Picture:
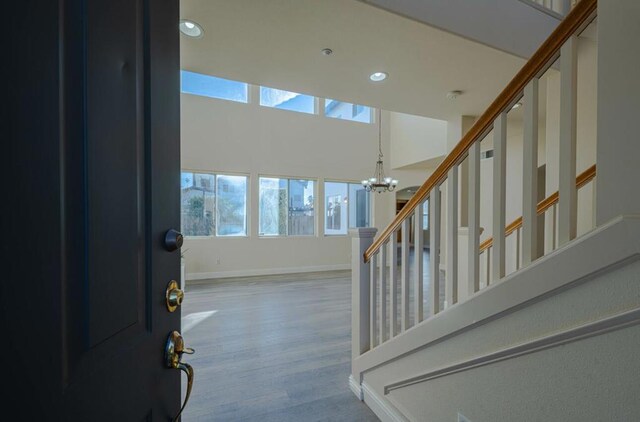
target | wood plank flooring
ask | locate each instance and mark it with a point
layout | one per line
(277, 348)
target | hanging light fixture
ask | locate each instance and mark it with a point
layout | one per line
(379, 182)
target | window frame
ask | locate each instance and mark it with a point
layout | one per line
(313, 112)
(253, 95)
(324, 205)
(372, 111)
(215, 204)
(315, 181)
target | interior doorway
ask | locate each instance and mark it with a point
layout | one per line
(402, 198)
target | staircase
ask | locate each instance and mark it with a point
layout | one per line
(531, 322)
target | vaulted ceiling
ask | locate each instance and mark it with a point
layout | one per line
(278, 43)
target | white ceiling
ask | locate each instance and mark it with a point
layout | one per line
(516, 27)
(277, 43)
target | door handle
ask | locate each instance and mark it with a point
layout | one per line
(173, 359)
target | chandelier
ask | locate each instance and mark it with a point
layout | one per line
(379, 182)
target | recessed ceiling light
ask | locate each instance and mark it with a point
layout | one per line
(326, 51)
(190, 29)
(516, 105)
(452, 95)
(378, 76)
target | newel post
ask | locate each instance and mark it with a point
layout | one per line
(361, 239)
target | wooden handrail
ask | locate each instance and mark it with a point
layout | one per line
(537, 64)
(584, 178)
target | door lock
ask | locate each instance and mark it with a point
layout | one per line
(173, 240)
(174, 296)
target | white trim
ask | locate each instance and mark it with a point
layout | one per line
(381, 406)
(266, 271)
(592, 329)
(355, 388)
(547, 276)
(544, 9)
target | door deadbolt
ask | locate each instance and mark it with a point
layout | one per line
(173, 240)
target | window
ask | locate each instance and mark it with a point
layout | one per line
(301, 214)
(211, 86)
(347, 111)
(286, 207)
(231, 206)
(359, 206)
(198, 197)
(213, 204)
(346, 205)
(286, 100)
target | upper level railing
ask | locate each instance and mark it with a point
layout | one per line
(550, 201)
(388, 302)
(555, 8)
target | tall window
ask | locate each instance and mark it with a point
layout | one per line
(347, 111)
(346, 205)
(231, 206)
(211, 86)
(286, 100)
(286, 207)
(213, 205)
(198, 204)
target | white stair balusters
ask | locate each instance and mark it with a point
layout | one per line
(434, 250)
(451, 273)
(404, 308)
(568, 201)
(530, 174)
(383, 294)
(473, 256)
(499, 196)
(393, 267)
(418, 264)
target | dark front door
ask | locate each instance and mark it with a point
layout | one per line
(93, 186)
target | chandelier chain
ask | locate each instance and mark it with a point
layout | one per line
(379, 182)
(380, 133)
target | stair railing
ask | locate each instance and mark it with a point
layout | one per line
(377, 318)
(550, 203)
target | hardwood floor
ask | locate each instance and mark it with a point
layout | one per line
(274, 348)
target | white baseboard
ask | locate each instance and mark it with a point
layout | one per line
(266, 271)
(381, 406)
(355, 387)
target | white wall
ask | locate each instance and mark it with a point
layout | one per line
(592, 379)
(619, 102)
(415, 139)
(228, 137)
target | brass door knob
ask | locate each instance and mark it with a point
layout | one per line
(174, 349)
(174, 296)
